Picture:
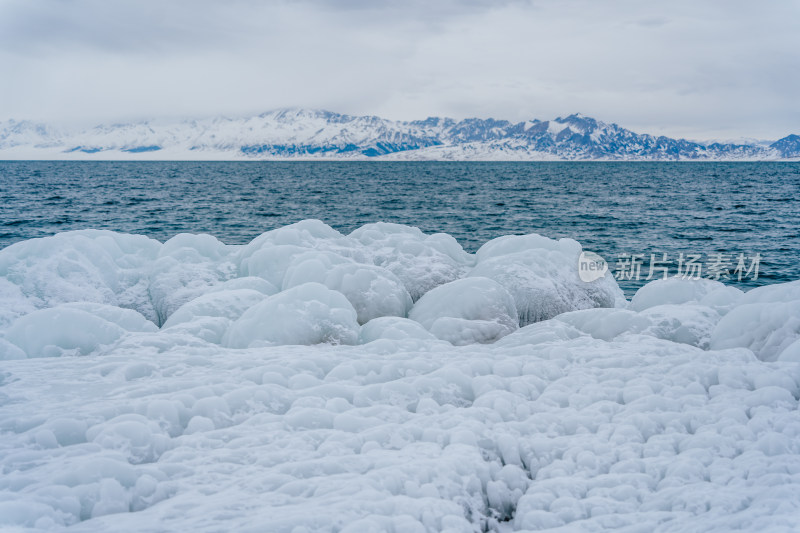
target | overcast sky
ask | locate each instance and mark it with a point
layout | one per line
(713, 69)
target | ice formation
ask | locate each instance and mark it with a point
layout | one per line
(467, 311)
(386, 380)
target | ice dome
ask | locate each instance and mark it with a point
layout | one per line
(467, 311)
(542, 276)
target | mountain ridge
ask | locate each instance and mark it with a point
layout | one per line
(300, 133)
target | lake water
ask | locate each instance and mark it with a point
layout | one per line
(652, 209)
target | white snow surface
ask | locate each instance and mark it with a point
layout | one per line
(291, 385)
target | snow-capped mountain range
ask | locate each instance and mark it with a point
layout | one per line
(316, 134)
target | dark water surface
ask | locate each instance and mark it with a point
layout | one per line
(611, 208)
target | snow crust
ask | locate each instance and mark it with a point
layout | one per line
(386, 380)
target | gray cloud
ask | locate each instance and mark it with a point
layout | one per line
(711, 69)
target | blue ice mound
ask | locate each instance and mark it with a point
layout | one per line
(88, 291)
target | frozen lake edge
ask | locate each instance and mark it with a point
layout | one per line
(287, 389)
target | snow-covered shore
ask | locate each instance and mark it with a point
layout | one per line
(386, 381)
